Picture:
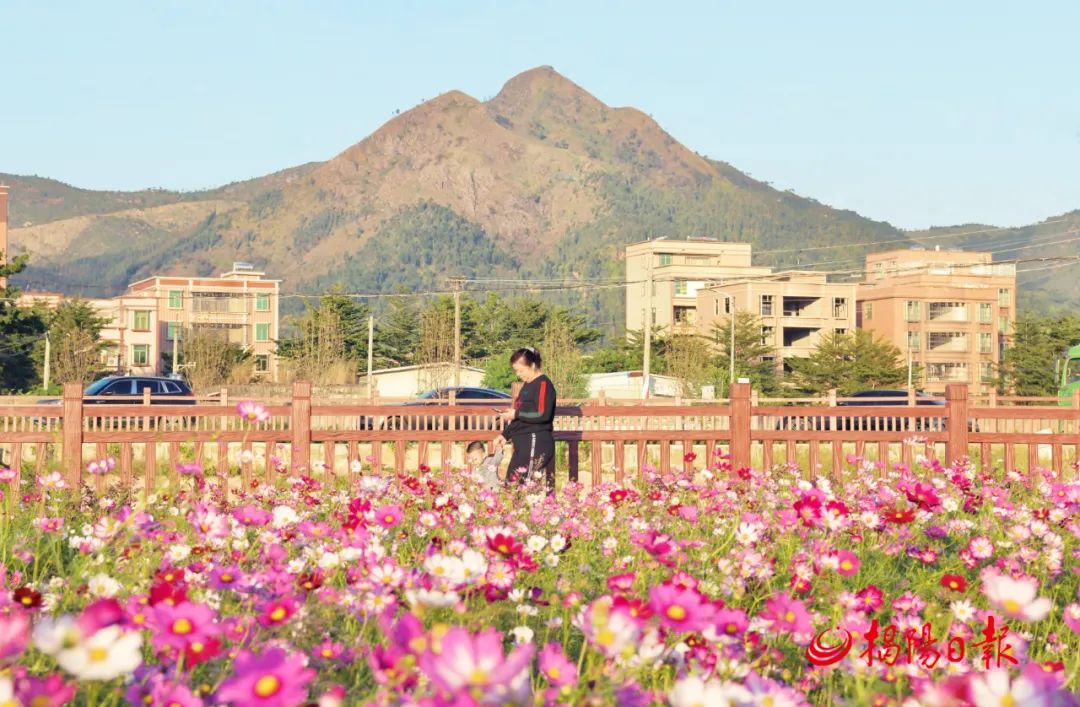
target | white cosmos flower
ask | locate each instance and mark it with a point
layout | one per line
(1017, 597)
(473, 565)
(994, 688)
(284, 515)
(108, 654)
(522, 634)
(692, 691)
(101, 585)
(53, 635)
(536, 543)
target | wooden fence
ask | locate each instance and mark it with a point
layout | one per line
(606, 440)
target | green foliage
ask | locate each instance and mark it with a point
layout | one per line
(350, 327)
(21, 328)
(75, 342)
(397, 334)
(498, 373)
(265, 204)
(314, 229)
(849, 363)
(416, 250)
(1027, 367)
(751, 355)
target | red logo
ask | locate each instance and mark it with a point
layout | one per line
(821, 655)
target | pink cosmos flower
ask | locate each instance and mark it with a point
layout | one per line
(182, 625)
(555, 666)
(1016, 597)
(870, 599)
(174, 695)
(787, 615)
(14, 633)
(100, 467)
(275, 613)
(389, 516)
(731, 622)
(100, 614)
(621, 582)
(252, 411)
(475, 665)
(848, 563)
(271, 678)
(252, 515)
(681, 609)
(1071, 615)
(50, 691)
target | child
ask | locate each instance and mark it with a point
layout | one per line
(486, 467)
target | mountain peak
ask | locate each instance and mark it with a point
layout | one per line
(538, 89)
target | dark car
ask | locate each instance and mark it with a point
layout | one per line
(874, 398)
(464, 395)
(129, 390)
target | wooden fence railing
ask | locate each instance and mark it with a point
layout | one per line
(603, 438)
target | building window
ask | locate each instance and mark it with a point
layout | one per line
(140, 320)
(985, 342)
(913, 311)
(986, 372)
(947, 372)
(839, 307)
(766, 305)
(1004, 300)
(262, 363)
(684, 315)
(868, 310)
(262, 302)
(913, 341)
(716, 307)
(768, 335)
(946, 341)
(986, 313)
(176, 299)
(140, 355)
(1003, 324)
(947, 312)
(262, 332)
(680, 288)
(173, 331)
(841, 332)
(665, 258)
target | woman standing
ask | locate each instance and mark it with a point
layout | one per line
(529, 424)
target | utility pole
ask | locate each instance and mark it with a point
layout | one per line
(909, 366)
(48, 360)
(731, 351)
(370, 341)
(457, 332)
(648, 325)
(175, 347)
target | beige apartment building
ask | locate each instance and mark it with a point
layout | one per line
(146, 320)
(678, 270)
(952, 310)
(240, 306)
(796, 309)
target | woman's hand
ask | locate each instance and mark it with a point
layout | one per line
(508, 415)
(499, 442)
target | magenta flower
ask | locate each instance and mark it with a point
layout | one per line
(680, 608)
(101, 614)
(174, 695)
(275, 613)
(50, 691)
(621, 582)
(1071, 615)
(222, 578)
(14, 633)
(251, 515)
(556, 667)
(476, 665)
(252, 411)
(731, 622)
(848, 563)
(389, 516)
(182, 625)
(787, 615)
(271, 678)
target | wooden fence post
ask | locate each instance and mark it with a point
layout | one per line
(301, 425)
(740, 426)
(956, 406)
(73, 432)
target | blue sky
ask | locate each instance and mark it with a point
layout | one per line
(919, 113)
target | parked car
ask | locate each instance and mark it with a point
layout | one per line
(128, 390)
(875, 398)
(463, 395)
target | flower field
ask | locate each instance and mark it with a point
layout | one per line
(712, 586)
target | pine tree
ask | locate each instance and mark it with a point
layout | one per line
(21, 328)
(850, 362)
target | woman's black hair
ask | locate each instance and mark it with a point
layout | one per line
(531, 356)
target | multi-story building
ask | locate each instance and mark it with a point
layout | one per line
(240, 306)
(951, 311)
(147, 320)
(3, 229)
(796, 309)
(677, 270)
